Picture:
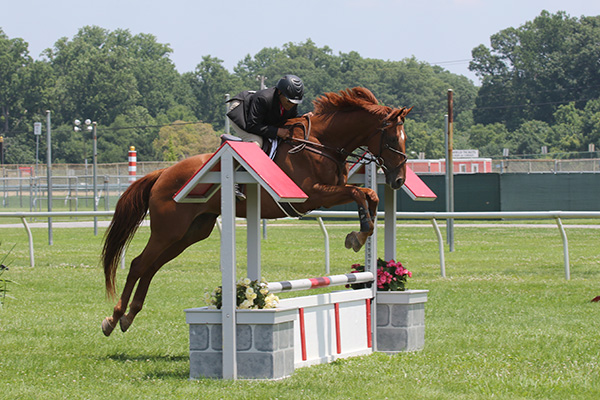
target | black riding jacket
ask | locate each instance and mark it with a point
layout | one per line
(263, 112)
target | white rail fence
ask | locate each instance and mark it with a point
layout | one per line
(73, 214)
(558, 216)
(433, 217)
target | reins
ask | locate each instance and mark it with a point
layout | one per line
(362, 155)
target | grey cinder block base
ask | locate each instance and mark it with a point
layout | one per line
(401, 321)
(265, 348)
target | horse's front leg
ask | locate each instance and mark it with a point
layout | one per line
(367, 215)
(367, 202)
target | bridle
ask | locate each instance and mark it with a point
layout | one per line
(378, 160)
(361, 155)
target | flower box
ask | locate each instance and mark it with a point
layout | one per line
(401, 320)
(265, 348)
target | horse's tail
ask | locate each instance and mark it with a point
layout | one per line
(129, 214)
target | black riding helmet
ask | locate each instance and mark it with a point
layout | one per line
(291, 87)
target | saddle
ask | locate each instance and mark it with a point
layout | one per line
(269, 145)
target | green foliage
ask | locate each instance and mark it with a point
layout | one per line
(136, 127)
(489, 139)
(249, 295)
(423, 138)
(209, 84)
(181, 140)
(529, 71)
(539, 81)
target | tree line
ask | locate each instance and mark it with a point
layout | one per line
(538, 88)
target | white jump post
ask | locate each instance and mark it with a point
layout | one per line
(270, 344)
(243, 163)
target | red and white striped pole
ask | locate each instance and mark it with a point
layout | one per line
(311, 283)
(132, 164)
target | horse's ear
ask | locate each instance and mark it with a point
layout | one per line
(406, 111)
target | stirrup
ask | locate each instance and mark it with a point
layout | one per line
(238, 193)
(227, 137)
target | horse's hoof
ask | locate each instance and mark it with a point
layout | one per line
(352, 242)
(124, 323)
(107, 328)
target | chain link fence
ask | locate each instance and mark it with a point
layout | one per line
(25, 187)
(589, 165)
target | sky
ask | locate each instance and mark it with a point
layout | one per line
(441, 32)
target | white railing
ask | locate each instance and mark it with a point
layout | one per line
(24, 215)
(558, 216)
(434, 216)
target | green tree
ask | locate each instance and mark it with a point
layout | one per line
(94, 78)
(182, 139)
(14, 61)
(530, 137)
(529, 71)
(591, 123)
(422, 138)
(568, 129)
(209, 84)
(158, 82)
(69, 146)
(102, 74)
(137, 128)
(490, 139)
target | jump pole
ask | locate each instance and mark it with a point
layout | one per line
(228, 267)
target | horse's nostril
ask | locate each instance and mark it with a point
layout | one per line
(399, 183)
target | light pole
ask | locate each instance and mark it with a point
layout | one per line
(2, 165)
(49, 172)
(91, 127)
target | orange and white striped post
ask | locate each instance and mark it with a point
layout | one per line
(132, 164)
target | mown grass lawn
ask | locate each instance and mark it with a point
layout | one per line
(503, 324)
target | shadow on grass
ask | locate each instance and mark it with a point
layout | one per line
(151, 358)
(173, 370)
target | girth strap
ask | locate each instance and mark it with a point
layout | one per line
(289, 210)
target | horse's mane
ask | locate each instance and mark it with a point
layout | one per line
(350, 99)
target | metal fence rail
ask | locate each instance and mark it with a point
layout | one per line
(433, 217)
(24, 215)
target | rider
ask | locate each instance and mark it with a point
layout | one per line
(258, 115)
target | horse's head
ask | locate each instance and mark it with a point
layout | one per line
(382, 131)
(389, 146)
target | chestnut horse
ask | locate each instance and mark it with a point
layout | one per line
(314, 157)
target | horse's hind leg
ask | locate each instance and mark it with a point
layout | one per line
(148, 259)
(136, 270)
(199, 230)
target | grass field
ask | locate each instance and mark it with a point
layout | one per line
(504, 324)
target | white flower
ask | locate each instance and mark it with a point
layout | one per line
(271, 301)
(251, 290)
(246, 304)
